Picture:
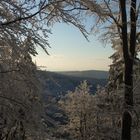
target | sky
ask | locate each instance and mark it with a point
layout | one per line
(70, 51)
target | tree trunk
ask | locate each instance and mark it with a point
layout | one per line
(128, 102)
(129, 54)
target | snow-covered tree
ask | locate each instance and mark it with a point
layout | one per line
(122, 23)
(116, 72)
(91, 116)
(19, 95)
(80, 109)
(23, 28)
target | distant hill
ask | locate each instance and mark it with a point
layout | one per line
(86, 74)
(58, 83)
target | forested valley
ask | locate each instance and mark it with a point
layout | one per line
(74, 105)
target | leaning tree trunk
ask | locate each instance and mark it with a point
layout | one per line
(129, 54)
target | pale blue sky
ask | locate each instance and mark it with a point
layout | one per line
(71, 51)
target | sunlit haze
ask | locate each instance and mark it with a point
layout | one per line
(71, 51)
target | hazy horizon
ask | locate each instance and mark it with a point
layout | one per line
(72, 70)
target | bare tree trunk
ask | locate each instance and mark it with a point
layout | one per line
(17, 132)
(129, 54)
